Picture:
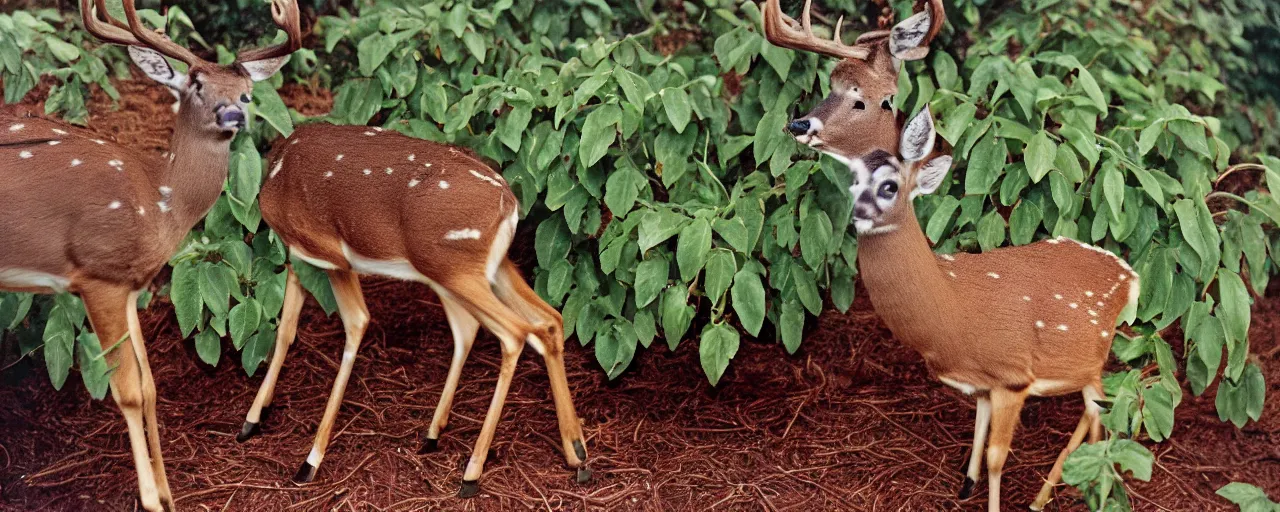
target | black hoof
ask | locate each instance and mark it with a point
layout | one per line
(247, 431)
(584, 475)
(305, 474)
(429, 445)
(580, 450)
(469, 488)
(966, 490)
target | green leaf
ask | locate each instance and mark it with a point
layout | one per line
(807, 289)
(598, 133)
(651, 278)
(1235, 306)
(552, 241)
(1248, 497)
(475, 44)
(93, 365)
(1113, 188)
(734, 232)
(1157, 412)
(209, 347)
(267, 103)
(1150, 134)
(692, 247)
(622, 189)
(184, 291)
(59, 340)
(1192, 134)
(717, 346)
(513, 126)
(215, 287)
(657, 226)
(748, 300)
(941, 217)
(372, 51)
(676, 314)
(1090, 86)
(1023, 222)
(721, 266)
(646, 328)
(65, 52)
(1133, 457)
(676, 102)
(1039, 155)
(256, 349)
(986, 163)
(615, 347)
(634, 87)
(815, 237)
(792, 325)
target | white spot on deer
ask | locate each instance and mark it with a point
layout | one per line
(1093, 321)
(1026, 298)
(412, 157)
(377, 129)
(1062, 327)
(485, 178)
(428, 164)
(165, 190)
(952, 274)
(142, 211)
(172, 157)
(339, 157)
(59, 132)
(1053, 241)
(1088, 293)
(16, 126)
(163, 206)
(1057, 296)
(1100, 304)
(25, 154)
(292, 142)
(118, 165)
(99, 141)
(1073, 305)
(414, 182)
(463, 234)
(1093, 313)
(328, 174)
(1105, 333)
(370, 133)
(1039, 324)
(75, 162)
(389, 170)
(367, 172)
(993, 275)
(54, 142)
(444, 184)
(276, 168)
(948, 257)
(115, 205)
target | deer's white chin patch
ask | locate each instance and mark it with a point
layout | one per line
(863, 226)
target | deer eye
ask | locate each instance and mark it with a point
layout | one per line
(244, 98)
(887, 190)
(886, 105)
(859, 105)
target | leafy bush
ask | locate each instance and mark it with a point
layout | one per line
(31, 47)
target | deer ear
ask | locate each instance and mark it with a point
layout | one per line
(917, 137)
(157, 67)
(930, 176)
(260, 70)
(907, 38)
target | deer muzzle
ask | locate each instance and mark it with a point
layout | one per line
(231, 117)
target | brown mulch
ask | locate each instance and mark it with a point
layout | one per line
(851, 422)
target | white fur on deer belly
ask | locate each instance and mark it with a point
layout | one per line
(26, 279)
(317, 262)
(397, 268)
(501, 243)
(964, 387)
(1049, 387)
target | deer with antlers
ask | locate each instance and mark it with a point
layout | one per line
(98, 219)
(1042, 324)
(358, 200)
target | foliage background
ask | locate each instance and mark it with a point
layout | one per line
(644, 140)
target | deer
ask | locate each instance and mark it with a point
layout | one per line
(444, 218)
(99, 219)
(1033, 320)
(859, 115)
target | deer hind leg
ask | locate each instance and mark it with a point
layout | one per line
(1089, 421)
(148, 401)
(980, 426)
(1006, 406)
(355, 318)
(288, 330)
(464, 327)
(514, 291)
(474, 293)
(104, 304)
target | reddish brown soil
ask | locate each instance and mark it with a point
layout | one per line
(851, 422)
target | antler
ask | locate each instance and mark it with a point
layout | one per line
(285, 14)
(112, 31)
(781, 30)
(156, 41)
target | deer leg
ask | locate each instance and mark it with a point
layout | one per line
(104, 304)
(288, 330)
(1093, 393)
(148, 401)
(980, 425)
(1056, 473)
(514, 291)
(513, 332)
(355, 317)
(1005, 408)
(464, 327)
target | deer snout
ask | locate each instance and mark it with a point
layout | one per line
(231, 117)
(799, 127)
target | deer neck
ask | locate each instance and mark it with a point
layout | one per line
(193, 175)
(908, 289)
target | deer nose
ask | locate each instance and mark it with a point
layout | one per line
(798, 127)
(229, 117)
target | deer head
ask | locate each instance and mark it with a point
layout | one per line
(882, 182)
(859, 115)
(217, 95)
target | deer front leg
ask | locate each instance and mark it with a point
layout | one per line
(106, 304)
(148, 387)
(1005, 408)
(980, 425)
(355, 317)
(287, 332)
(464, 327)
(1088, 420)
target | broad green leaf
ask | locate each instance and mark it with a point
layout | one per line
(59, 340)
(94, 370)
(1234, 298)
(244, 319)
(657, 226)
(267, 103)
(985, 165)
(184, 291)
(748, 300)
(1039, 155)
(651, 278)
(676, 103)
(792, 325)
(815, 237)
(991, 231)
(255, 350)
(209, 347)
(692, 248)
(721, 267)
(941, 217)
(598, 133)
(807, 289)
(676, 314)
(717, 346)
(215, 287)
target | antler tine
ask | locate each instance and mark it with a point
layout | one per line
(839, 26)
(108, 32)
(285, 14)
(156, 41)
(781, 30)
